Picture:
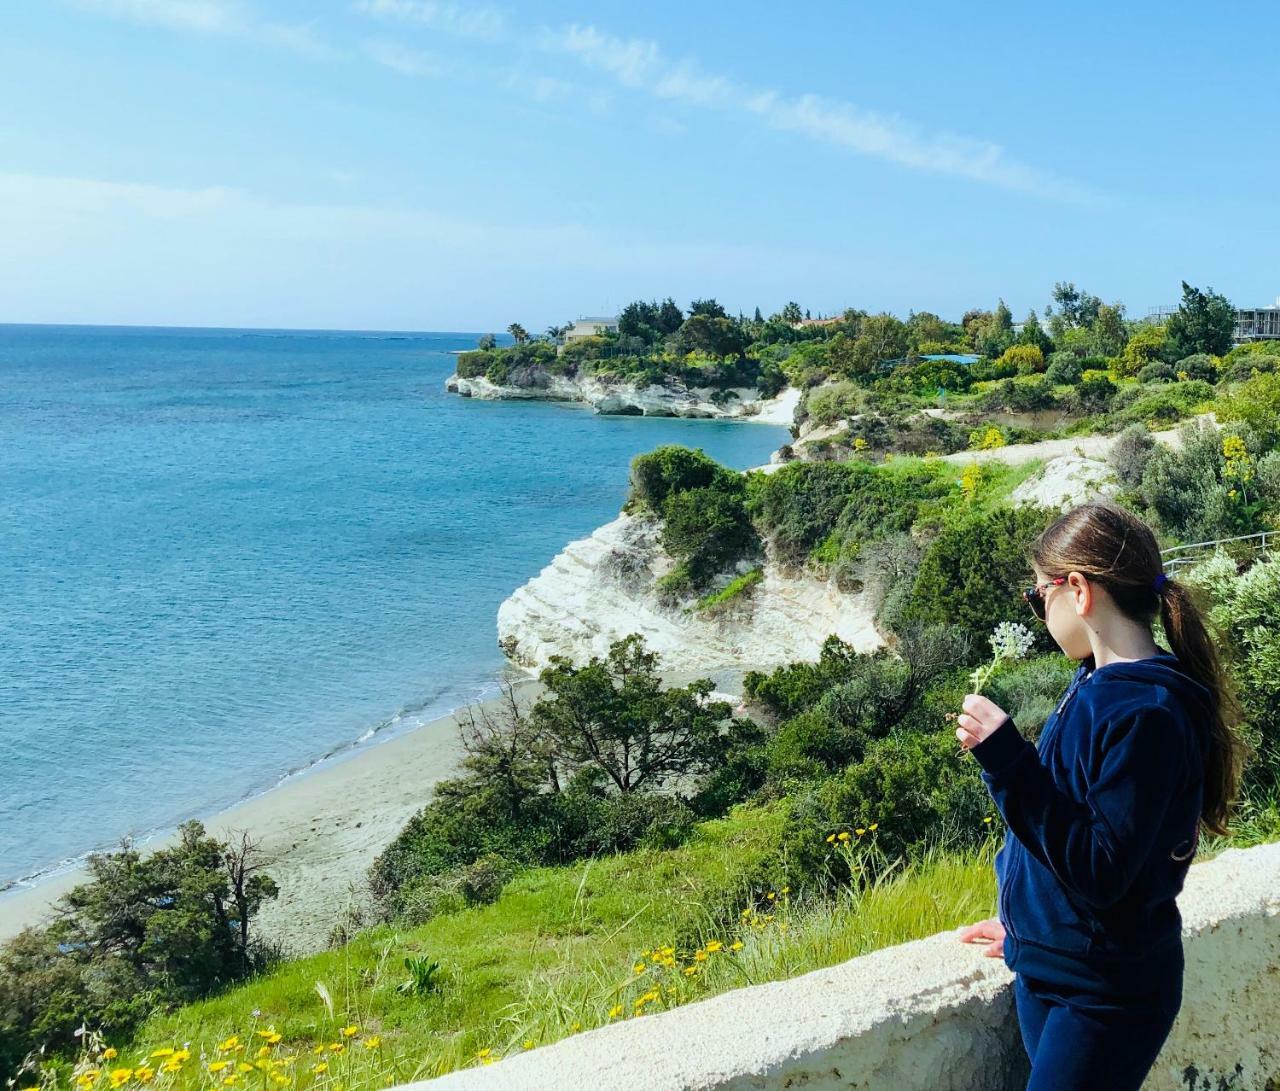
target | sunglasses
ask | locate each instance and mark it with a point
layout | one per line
(1035, 596)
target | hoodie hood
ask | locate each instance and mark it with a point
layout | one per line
(1162, 669)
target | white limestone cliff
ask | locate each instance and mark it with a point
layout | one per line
(672, 399)
(601, 588)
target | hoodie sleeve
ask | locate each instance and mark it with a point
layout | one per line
(1097, 845)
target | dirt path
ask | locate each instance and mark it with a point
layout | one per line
(1095, 446)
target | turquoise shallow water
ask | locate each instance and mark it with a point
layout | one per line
(225, 554)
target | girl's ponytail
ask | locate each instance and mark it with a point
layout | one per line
(1197, 653)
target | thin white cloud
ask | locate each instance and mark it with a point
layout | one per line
(464, 21)
(640, 64)
(399, 58)
(214, 17)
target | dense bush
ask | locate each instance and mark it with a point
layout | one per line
(840, 505)
(1241, 369)
(1199, 491)
(972, 573)
(142, 933)
(1198, 365)
(836, 401)
(1160, 405)
(917, 788)
(1157, 372)
(1243, 608)
(1018, 395)
(1256, 402)
(1064, 368)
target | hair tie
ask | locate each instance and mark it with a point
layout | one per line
(1159, 581)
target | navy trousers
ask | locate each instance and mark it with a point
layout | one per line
(1080, 1040)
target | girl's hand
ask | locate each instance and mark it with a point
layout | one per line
(981, 716)
(990, 932)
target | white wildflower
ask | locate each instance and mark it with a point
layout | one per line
(1009, 640)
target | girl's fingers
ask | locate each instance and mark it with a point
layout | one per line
(967, 738)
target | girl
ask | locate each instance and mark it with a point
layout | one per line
(1103, 816)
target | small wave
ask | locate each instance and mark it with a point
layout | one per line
(404, 720)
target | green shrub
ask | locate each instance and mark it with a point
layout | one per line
(972, 574)
(1064, 368)
(1198, 365)
(919, 789)
(1157, 372)
(669, 469)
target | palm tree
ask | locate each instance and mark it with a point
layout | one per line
(518, 332)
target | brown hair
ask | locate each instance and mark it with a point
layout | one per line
(1107, 543)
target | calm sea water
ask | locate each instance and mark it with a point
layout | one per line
(225, 554)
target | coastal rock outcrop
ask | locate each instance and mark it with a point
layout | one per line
(602, 587)
(672, 399)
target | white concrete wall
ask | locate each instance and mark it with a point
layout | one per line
(935, 1014)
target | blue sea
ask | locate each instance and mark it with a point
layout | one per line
(228, 554)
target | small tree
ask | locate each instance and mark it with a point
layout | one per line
(613, 714)
(518, 332)
(1204, 322)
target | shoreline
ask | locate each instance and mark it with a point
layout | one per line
(323, 826)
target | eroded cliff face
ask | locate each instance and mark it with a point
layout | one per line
(656, 400)
(601, 588)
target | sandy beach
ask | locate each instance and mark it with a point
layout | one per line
(323, 828)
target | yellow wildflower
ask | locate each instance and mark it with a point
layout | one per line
(228, 1081)
(873, 825)
(318, 1049)
(528, 1043)
(165, 1052)
(336, 1047)
(714, 945)
(576, 1026)
(244, 1066)
(689, 971)
(110, 1053)
(831, 837)
(987, 819)
(771, 895)
(351, 1031)
(638, 968)
(218, 1066)
(700, 955)
(736, 945)
(277, 1078)
(483, 1052)
(121, 1075)
(263, 1051)
(615, 1011)
(143, 1074)
(861, 830)
(844, 835)
(316, 1069)
(180, 1055)
(372, 1042)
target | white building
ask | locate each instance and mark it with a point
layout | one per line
(589, 327)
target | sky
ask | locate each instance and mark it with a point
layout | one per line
(420, 165)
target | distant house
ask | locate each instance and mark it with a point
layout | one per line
(589, 327)
(806, 322)
(1258, 324)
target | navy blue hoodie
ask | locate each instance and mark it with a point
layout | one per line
(1102, 823)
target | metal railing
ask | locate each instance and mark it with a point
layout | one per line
(1191, 552)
